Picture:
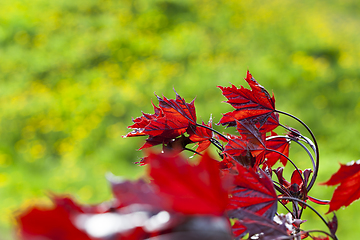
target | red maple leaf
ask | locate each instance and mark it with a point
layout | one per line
(171, 119)
(141, 122)
(251, 140)
(348, 176)
(253, 224)
(281, 145)
(51, 223)
(255, 104)
(136, 192)
(191, 189)
(253, 191)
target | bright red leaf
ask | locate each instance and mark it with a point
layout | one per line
(251, 140)
(178, 108)
(191, 189)
(51, 223)
(255, 104)
(171, 119)
(348, 176)
(253, 191)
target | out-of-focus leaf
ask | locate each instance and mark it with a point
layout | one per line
(191, 189)
(348, 176)
(51, 223)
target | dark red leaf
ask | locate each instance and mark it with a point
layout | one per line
(171, 119)
(191, 189)
(178, 108)
(348, 176)
(257, 224)
(136, 192)
(281, 145)
(253, 191)
(279, 173)
(251, 140)
(255, 104)
(333, 225)
(141, 122)
(238, 230)
(238, 147)
(271, 123)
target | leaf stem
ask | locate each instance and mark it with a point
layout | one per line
(216, 144)
(193, 151)
(296, 168)
(292, 214)
(316, 170)
(211, 129)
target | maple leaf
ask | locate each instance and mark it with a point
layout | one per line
(135, 192)
(238, 230)
(281, 145)
(348, 176)
(171, 119)
(256, 224)
(251, 140)
(178, 108)
(253, 191)
(142, 121)
(191, 189)
(255, 104)
(51, 223)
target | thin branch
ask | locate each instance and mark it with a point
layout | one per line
(211, 129)
(193, 151)
(296, 168)
(216, 144)
(279, 200)
(302, 145)
(316, 170)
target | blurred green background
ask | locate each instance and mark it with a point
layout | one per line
(74, 73)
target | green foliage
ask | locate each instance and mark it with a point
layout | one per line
(73, 74)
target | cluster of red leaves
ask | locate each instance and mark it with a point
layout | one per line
(178, 196)
(185, 201)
